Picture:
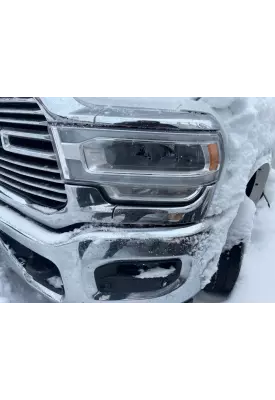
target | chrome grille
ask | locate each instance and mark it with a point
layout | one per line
(28, 164)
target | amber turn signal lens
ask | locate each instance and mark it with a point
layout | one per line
(214, 157)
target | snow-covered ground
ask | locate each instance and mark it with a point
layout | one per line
(257, 278)
(14, 290)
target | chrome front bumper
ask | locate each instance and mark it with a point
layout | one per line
(77, 254)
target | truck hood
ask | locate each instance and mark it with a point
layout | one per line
(85, 108)
(167, 103)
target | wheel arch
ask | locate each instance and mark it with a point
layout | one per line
(258, 179)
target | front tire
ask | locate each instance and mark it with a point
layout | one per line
(228, 272)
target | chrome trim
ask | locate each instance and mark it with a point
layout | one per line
(183, 120)
(7, 100)
(84, 133)
(5, 138)
(83, 205)
(13, 160)
(73, 151)
(188, 214)
(110, 190)
(19, 111)
(30, 174)
(52, 196)
(30, 183)
(87, 249)
(22, 121)
(86, 205)
(70, 147)
(63, 164)
(24, 134)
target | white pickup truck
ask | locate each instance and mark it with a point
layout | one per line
(131, 199)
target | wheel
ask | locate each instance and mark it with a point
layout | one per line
(228, 271)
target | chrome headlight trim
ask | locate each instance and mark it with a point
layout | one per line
(71, 142)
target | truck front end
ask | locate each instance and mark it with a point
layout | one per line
(106, 199)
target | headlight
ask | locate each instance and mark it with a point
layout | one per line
(141, 165)
(143, 157)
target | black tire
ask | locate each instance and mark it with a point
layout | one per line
(228, 271)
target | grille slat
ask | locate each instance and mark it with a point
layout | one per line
(21, 160)
(28, 164)
(27, 135)
(19, 111)
(30, 173)
(25, 121)
(21, 100)
(39, 193)
(35, 183)
(31, 147)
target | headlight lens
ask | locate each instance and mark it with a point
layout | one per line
(131, 156)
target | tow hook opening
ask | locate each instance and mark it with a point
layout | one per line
(40, 268)
(122, 278)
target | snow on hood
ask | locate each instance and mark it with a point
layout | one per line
(250, 128)
(219, 102)
(84, 108)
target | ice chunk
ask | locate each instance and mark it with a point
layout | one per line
(156, 273)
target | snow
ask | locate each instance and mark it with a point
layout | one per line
(250, 128)
(56, 282)
(104, 297)
(14, 290)
(219, 102)
(256, 282)
(241, 229)
(156, 273)
(257, 279)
